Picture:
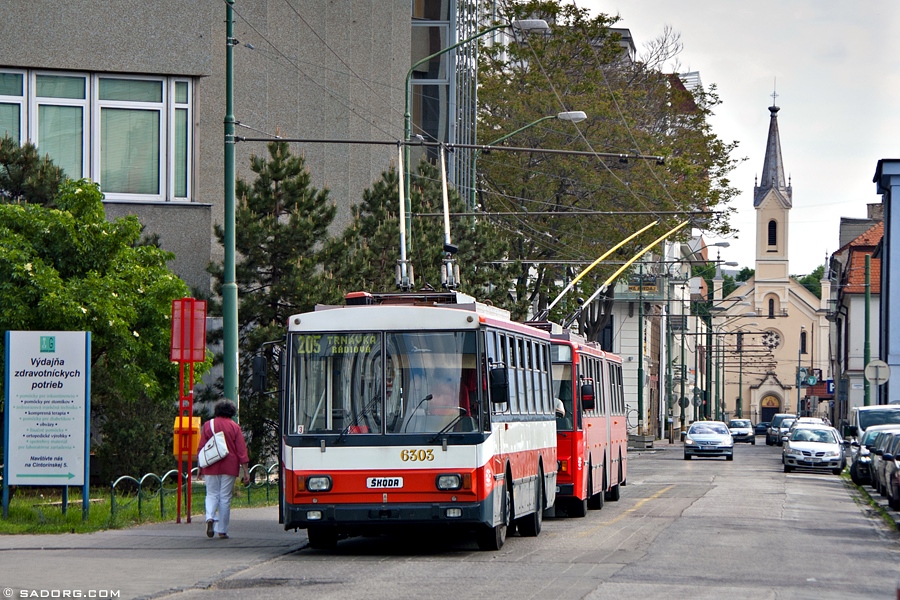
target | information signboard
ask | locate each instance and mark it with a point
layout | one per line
(47, 407)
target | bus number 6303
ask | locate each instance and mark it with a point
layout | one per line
(416, 455)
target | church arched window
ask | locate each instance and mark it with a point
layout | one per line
(771, 308)
(773, 233)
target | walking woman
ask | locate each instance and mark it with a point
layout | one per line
(221, 476)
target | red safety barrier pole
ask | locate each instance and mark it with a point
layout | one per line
(188, 347)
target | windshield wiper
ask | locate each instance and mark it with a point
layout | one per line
(448, 426)
(413, 413)
(366, 409)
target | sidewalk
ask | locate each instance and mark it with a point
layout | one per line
(142, 562)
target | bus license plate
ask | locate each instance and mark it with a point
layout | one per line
(384, 482)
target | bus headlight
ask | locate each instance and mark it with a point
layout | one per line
(318, 483)
(314, 515)
(449, 482)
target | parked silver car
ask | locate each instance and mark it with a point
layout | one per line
(814, 447)
(708, 438)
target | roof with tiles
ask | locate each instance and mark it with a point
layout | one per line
(855, 273)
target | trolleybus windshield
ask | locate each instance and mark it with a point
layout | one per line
(383, 383)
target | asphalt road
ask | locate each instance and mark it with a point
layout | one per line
(696, 529)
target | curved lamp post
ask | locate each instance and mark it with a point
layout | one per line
(524, 25)
(573, 116)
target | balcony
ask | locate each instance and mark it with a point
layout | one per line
(764, 314)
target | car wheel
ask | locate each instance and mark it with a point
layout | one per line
(788, 469)
(837, 470)
(687, 456)
(729, 457)
(753, 442)
(854, 475)
(893, 501)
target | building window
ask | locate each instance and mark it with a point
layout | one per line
(430, 81)
(773, 233)
(131, 134)
(771, 308)
(12, 104)
(802, 342)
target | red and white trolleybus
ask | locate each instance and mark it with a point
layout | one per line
(416, 409)
(592, 438)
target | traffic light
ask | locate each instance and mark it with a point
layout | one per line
(740, 341)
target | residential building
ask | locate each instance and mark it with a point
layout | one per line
(848, 310)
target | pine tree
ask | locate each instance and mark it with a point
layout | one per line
(25, 176)
(281, 222)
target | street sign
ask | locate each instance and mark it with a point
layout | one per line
(829, 386)
(878, 372)
(684, 402)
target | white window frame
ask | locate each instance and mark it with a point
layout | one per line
(35, 102)
(159, 107)
(91, 108)
(21, 101)
(172, 124)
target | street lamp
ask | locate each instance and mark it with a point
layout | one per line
(799, 359)
(717, 328)
(406, 232)
(573, 116)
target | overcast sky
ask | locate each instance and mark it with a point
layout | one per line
(836, 65)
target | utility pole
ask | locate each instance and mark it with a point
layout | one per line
(229, 287)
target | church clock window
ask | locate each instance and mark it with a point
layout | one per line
(771, 339)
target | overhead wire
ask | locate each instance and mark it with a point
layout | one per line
(340, 99)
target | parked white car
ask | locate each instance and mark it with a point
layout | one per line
(814, 446)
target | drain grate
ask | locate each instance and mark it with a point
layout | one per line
(244, 584)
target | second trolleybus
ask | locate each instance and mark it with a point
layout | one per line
(592, 436)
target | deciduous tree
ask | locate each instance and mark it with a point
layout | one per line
(633, 108)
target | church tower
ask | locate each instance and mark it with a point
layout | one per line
(772, 199)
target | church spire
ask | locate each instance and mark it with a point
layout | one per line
(773, 168)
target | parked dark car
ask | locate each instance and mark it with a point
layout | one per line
(773, 433)
(760, 428)
(861, 454)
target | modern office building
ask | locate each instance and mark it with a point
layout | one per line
(132, 95)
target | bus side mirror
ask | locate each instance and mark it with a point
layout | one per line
(499, 385)
(258, 380)
(587, 397)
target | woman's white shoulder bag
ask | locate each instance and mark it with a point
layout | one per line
(215, 449)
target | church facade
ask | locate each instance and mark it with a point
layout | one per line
(785, 330)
